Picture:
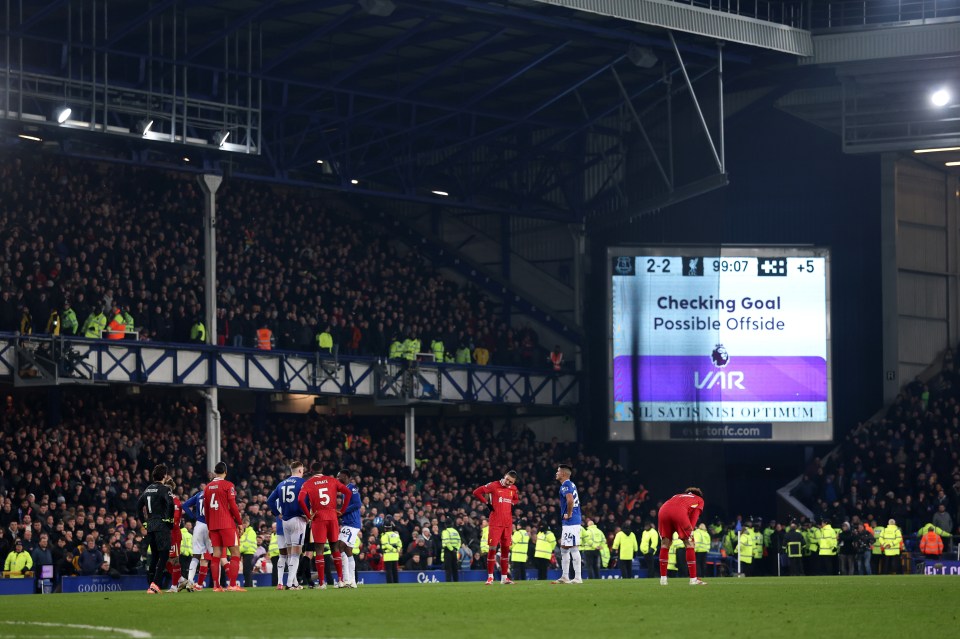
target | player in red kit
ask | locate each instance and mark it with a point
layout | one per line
(177, 582)
(503, 496)
(318, 499)
(679, 514)
(223, 520)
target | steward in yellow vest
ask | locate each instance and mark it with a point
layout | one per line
(543, 551)
(390, 544)
(519, 552)
(450, 552)
(828, 549)
(701, 546)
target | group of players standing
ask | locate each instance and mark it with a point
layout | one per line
(298, 501)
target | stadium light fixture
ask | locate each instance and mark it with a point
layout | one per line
(440, 193)
(220, 137)
(186, 159)
(63, 114)
(939, 150)
(940, 98)
(951, 163)
(32, 138)
(144, 126)
(354, 182)
(319, 161)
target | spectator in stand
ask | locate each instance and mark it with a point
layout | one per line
(90, 558)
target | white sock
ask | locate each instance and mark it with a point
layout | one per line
(345, 562)
(564, 563)
(293, 566)
(353, 568)
(281, 569)
(192, 572)
(575, 553)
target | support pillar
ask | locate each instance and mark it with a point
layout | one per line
(410, 439)
(210, 184)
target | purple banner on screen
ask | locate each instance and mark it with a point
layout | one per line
(675, 378)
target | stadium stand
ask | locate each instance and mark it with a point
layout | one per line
(904, 465)
(102, 237)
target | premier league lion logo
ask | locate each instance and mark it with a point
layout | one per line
(720, 356)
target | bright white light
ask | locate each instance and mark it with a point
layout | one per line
(938, 150)
(354, 182)
(145, 126)
(319, 161)
(186, 159)
(222, 137)
(940, 97)
(951, 163)
(767, 468)
(440, 193)
(64, 115)
(32, 138)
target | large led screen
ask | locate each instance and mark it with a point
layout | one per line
(720, 344)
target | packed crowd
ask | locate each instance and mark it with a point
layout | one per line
(78, 482)
(904, 466)
(82, 237)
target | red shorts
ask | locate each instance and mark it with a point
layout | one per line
(500, 535)
(175, 549)
(673, 521)
(224, 538)
(324, 530)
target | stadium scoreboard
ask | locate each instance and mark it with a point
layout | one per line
(720, 344)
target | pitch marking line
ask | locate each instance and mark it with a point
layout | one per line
(135, 634)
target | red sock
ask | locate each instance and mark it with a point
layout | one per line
(664, 560)
(233, 569)
(318, 562)
(202, 574)
(491, 560)
(174, 567)
(504, 566)
(692, 563)
(338, 565)
(215, 571)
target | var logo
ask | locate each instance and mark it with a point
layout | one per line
(726, 380)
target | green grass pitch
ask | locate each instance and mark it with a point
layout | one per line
(804, 607)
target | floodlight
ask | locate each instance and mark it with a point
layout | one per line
(144, 126)
(220, 137)
(63, 114)
(940, 97)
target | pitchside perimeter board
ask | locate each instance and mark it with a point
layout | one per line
(720, 344)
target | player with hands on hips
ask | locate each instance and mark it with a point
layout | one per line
(570, 520)
(500, 496)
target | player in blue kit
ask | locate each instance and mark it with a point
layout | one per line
(570, 521)
(285, 496)
(281, 567)
(349, 532)
(202, 548)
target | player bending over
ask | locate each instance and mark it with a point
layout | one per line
(503, 496)
(679, 514)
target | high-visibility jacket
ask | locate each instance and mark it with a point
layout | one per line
(596, 537)
(273, 549)
(586, 541)
(396, 350)
(248, 541)
(556, 359)
(876, 548)
(481, 356)
(701, 540)
(891, 540)
(437, 347)
(828, 541)
(68, 322)
(649, 541)
(519, 546)
(730, 542)
(128, 322)
(325, 341)
(604, 555)
(53, 323)
(675, 545)
(463, 355)
(390, 543)
(450, 541)
(546, 542)
(410, 348)
(17, 563)
(186, 542)
(745, 547)
(485, 540)
(94, 325)
(264, 339)
(931, 544)
(627, 544)
(116, 329)
(936, 529)
(198, 333)
(814, 541)
(757, 544)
